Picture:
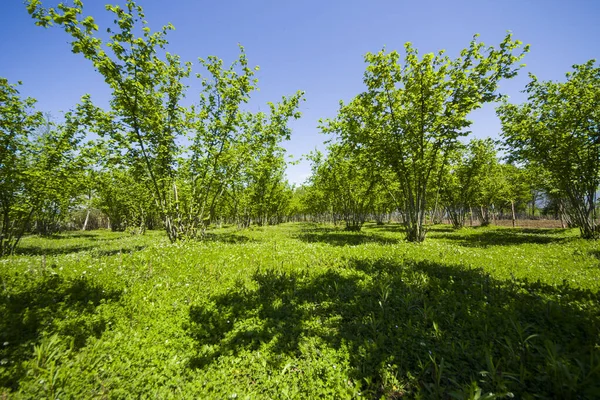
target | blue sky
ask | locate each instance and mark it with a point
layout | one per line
(314, 46)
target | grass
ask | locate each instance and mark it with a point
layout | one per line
(303, 311)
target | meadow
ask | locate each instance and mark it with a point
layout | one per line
(302, 311)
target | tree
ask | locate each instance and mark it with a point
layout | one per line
(350, 182)
(232, 147)
(37, 162)
(517, 189)
(316, 199)
(19, 121)
(413, 113)
(462, 182)
(147, 120)
(558, 129)
(146, 86)
(491, 185)
(123, 199)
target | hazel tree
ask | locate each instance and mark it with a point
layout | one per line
(146, 84)
(351, 183)
(147, 120)
(37, 166)
(417, 110)
(558, 129)
(19, 120)
(464, 178)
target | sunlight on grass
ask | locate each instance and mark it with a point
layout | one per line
(302, 311)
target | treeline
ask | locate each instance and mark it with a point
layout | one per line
(400, 144)
(473, 187)
(156, 161)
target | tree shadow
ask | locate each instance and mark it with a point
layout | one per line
(28, 250)
(55, 251)
(230, 238)
(389, 227)
(46, 306)
(408, 319)
(338, 237)
(70, 235)
(485, 237)
(113, 252)
(90, 236)
(400, 228)
(541, 231)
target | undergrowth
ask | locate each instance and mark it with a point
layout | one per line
(302, 311)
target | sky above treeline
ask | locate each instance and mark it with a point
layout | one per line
(309, 45)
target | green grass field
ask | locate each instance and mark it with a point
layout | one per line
(302, 311)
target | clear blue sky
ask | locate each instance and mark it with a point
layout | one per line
(315, 46)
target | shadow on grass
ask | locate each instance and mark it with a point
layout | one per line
(46, 306)
(542, 231)
(55, 251)
(435, 327)
(400, 228)
(26, 250)
(230, 238)
(92, 236)
(390, 227)
(486, 237)
(70, 235)
(113, 252)
(338, 237)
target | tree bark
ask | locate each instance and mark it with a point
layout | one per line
(87, 218)
(514, 218)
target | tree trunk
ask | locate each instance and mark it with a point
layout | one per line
(561, 213)
(514, 218)
(87, 218)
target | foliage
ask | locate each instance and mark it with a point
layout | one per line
(465, 178)
(19, 122)
(413, 113)
(349, 182)
(55, 170)
(37, 166)
(146, 89)
(236, 156)
(123, 199)
(557, 130)
(147, 120)
(492, 186)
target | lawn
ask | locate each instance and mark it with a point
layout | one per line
(302, 311)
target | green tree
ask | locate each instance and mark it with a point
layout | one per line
(55, 173)
(316, 199)
(350, 183)
(147, 120)
(558, 129)
(37, 168)
(491, 186)
(463, 178)
(146, 84)
(19, 121)
(231, 147)
(123, 199)
(414, 112)
(517, 189)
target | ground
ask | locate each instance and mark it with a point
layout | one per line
(303, 311)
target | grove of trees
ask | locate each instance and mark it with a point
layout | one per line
(155, 160)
